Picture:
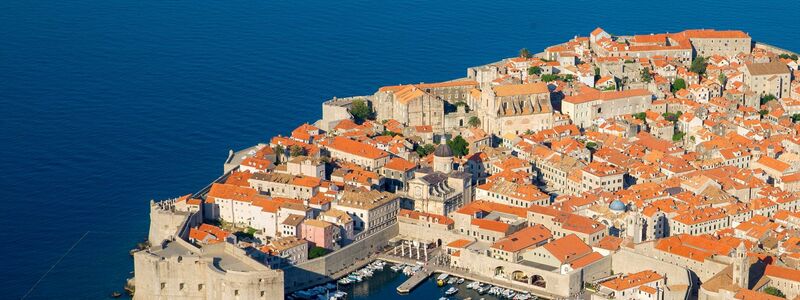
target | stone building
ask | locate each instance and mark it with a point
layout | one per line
(362, 154)
(514, 108)
(591, 104)
(773, 78)
(440, 190)
(708, 42)
(421, 104)
(369, 210)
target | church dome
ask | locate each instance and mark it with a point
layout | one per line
(443, 151)
(617, 205)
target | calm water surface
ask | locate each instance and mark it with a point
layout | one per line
(108, 104)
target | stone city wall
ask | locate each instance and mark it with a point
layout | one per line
(424, 233)
(626, 261)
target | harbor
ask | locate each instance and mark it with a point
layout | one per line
(391, 277)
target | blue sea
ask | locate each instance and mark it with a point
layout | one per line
(105, 105)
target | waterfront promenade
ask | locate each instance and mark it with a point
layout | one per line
(438, 264)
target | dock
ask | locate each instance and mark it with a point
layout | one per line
(413, 281)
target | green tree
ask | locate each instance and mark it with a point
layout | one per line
(771, 290)
(678, 84)
(535, 70)
(568, 78)
(390, 133)
(767, 98)
(459, 146)
(591, 145)
(722, 78)
(785, 56)
(279, 152)
(678, 136)
(525, 53)
(424, 150)
(296, 150)
(641, 116)
(763, 112)
(474, 121)
(360, 111)
(699, 65)
(645, 74)
(672, 117)
(550, 77)
(317, 252)
(796, 118)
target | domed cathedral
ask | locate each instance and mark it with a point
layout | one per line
(440, 189)
(443, 159)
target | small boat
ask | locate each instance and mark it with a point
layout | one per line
(460, 281)
(451, 281)
(450, 291)
(345, 281)
(443, 298)
(509, 293)
(482, 289)
(116, 294)
(443, 276)
(338, 295)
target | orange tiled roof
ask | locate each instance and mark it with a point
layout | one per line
(525, 238)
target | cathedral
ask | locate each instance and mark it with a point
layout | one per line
(441, 189)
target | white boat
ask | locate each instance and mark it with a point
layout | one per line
(509, 293)
(443, 298)
(338, 295)
(460, 281)
(451, 281)
(473, 285)
(450, 291)
(482, 289)
(344, 281)
(443, 276)
(494, 290)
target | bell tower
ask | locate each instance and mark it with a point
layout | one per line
(741, 267)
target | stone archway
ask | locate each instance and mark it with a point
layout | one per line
(519, 276)
(538, 281)
(500, 272)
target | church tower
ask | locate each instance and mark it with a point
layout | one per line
(741, 267)
(635, 227)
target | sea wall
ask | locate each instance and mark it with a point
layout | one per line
(772, 48)
(423, 233)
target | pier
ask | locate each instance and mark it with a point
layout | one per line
(414, 281)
